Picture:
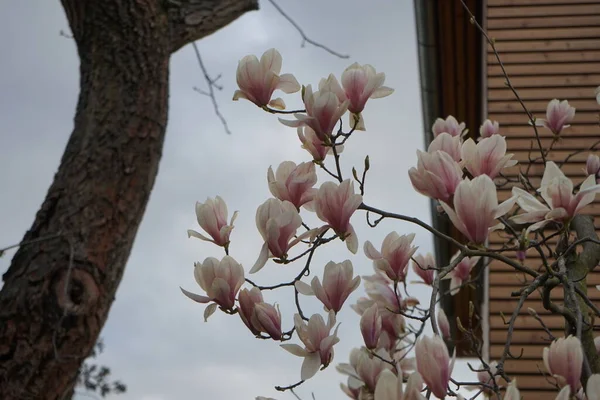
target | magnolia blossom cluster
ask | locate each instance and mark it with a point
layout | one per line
(459, 174)
(395, 362)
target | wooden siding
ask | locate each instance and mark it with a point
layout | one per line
(550, 49)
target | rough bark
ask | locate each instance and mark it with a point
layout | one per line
(58, 291)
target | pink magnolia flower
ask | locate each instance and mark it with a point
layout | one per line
(443, 323)
(323, 111)
(385, 296)
(449, 125)
(248, 299)
(359, 84)
(424, 267)
(277, 222)
(389, 387)
(592, 166)
(352, 389)
(318, 343)
(334, 205)
(476, 208)
(558, 116)
(512, 393)
(434, 364)
(564, 394)
(336, 287)
(258, 80)
(369, 368)
(257, 315)
(393, 326)
(486, 157)
(593, 387)
(564, 360)
(448, 143)
(314, 145)
(349, 369)
(461, 273)
(488, 129)
(370, 326)
(557, 191)
(269, 319)
(394, 257)
(437, 175)
(212, 217)
(293, 183)
(221, 281)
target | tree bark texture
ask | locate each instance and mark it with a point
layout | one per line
(59, 288)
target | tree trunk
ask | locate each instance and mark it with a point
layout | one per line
(59, 288)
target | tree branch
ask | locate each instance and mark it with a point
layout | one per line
(584, 228)
(191, 20)
(305, 39)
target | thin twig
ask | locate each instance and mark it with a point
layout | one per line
(508, 82)
(305, 39)
(212, 85)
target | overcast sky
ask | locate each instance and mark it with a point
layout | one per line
(156, 340)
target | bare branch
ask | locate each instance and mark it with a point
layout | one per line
(508, 82)
(305, 39)
(212, 85)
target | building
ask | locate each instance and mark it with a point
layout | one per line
(550, 49)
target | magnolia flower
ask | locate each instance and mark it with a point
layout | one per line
(259, 316)
(488, 129)
(259, 79)
(318, 343)
(461, 273)
(385, 296)
(395, 254)
(334, 205)
(443, 324)
(564, 394)
(557, 190)
(592, 166)
(564, 360)
(424, 267)
(369, 368)
(393, 325)
(314, 145)
(212, 217)
(359, 84)
(437, 175)
(512, 393)
(486, 157)
(269, 319)
(558, 115)
(370, 326)
(593, 387)
(248, 299)
(336, 287)
(476, 208)
(484, 377)
(277, 222)
(323, 111)
(352, 389)
(389, 387)
(434, 364)
(221, 281)
(448, 143)
(449, 125)
(293, 183)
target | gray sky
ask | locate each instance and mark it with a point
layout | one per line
(157, 342)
